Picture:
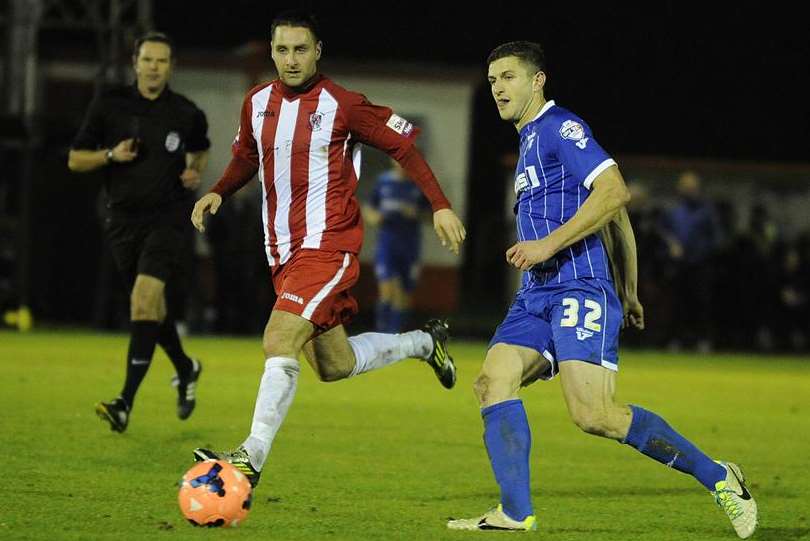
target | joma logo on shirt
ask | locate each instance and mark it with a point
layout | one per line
(265, 113)
(291, 297)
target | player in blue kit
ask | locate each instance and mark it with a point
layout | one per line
(567, 314)
(397, 207)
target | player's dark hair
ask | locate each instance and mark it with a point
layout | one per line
(297, 18)
(528, 52)
(153, 36)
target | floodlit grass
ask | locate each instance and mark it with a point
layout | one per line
(387, 455)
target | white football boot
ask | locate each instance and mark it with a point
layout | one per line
(495, 520)
(733, 497)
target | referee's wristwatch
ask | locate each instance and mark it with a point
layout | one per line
(109, 156)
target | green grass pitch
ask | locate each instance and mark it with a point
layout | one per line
(387, 455)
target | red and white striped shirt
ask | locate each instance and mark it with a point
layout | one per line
(305, 147)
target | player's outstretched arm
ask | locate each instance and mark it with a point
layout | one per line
(381, 128)
(210, 202)
(620, 243)
(449, 229)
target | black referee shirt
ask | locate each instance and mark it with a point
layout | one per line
(166, 128)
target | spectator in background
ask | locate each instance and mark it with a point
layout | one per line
(653, 271)
(803, 247)
(397, 208)
(692, 234)
(727, 299)
(792, 298)
(752, 255)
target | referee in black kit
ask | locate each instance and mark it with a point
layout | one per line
(152, 144)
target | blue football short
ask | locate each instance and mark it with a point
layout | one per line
(573, 320)
(521, 328)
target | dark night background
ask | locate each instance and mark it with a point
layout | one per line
(679, 79)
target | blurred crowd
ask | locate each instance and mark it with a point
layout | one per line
(709, 283)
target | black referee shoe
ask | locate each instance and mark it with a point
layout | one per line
(115, 412)
(440, 358)
(186, 391)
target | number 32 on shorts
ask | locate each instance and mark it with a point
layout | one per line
(570, 317)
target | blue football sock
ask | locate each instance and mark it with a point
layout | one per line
(381, 316)
(652, 436)
(508, 441)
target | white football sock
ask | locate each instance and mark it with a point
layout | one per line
(276, 393)
(374, 350)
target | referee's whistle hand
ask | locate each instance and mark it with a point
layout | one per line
(210, 202)
(190, 178)
(125, 151)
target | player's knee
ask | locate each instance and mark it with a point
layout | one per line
(277, 345)
(491, 388)
(481, 387)
(590, 421)
(144, 305)
(331, 373)
(278, 341)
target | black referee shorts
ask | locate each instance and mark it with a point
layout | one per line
(162, 250)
